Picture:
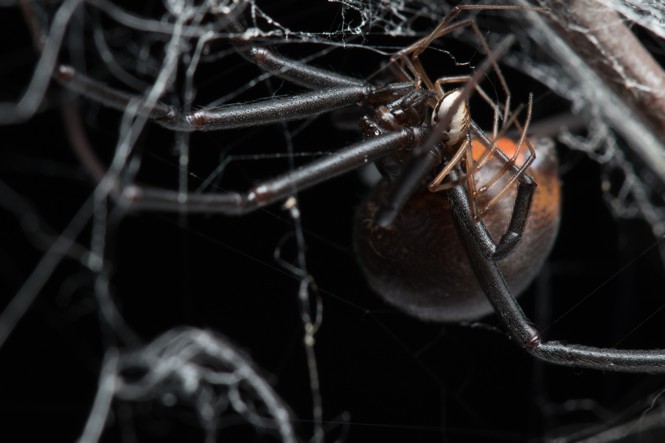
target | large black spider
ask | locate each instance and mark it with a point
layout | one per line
(408, 144)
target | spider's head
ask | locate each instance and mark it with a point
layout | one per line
(453, 111)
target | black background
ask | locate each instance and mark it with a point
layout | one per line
(384, 376)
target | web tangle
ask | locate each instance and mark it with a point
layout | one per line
(120, 326)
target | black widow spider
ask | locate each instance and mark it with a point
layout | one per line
(413, 144)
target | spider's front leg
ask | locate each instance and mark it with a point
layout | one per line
(408, 59)
(273, 110)
(139, 198)
(492, 280)
(518, 220)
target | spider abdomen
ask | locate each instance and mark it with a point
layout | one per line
(460, 120)
(419, 265)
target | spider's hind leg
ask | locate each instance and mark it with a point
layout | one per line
(475, 237)
(526, 186)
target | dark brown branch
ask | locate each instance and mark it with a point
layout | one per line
(618, 77)
(601, 38)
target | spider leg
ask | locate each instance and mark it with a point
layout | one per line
(525, 190)
(407, 182)
(312, 77)
(315, 78)
(476, 240)
(299, 73)
(423, 159)
(293, 71)
(511, 164)
(470, 178)
(273, 190)
(443, 28)
(521, 209)
(435, 184)
(275, 110)
(492, 149)
(409, 58)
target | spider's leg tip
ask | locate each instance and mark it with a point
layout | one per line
(130, 195)
(385, 217)
(64, 73)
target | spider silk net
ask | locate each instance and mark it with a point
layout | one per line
(152, 326)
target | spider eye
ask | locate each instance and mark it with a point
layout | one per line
(460, 120)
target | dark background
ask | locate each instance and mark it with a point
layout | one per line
(384, 376)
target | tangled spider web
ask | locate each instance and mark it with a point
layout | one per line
(318, 364)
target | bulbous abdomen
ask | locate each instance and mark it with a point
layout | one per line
(419, 265)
